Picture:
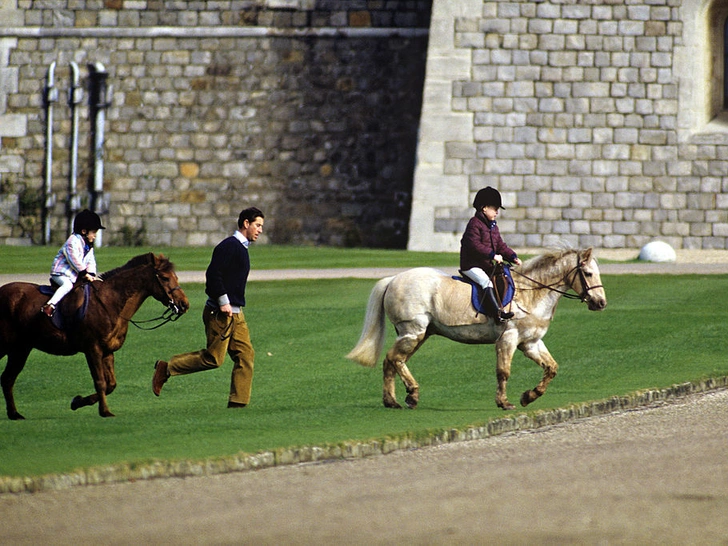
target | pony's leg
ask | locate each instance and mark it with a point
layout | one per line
(505, 348)
(412, 387)
(110, 373)
(103, 375)
(389, 397)
(16, 363)
(540, 355)
(90, 400)
(83, 401)
(396, 363)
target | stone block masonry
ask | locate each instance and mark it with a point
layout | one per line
(592, 118)
(602, 123)
(308, 109)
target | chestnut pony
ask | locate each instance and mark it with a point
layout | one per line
(421, 302)
(112, 302)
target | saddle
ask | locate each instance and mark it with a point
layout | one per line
(503, 286)
(66, 318)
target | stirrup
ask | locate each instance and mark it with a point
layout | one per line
(505, 315)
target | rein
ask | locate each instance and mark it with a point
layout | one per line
(552, 287)
(170, 314)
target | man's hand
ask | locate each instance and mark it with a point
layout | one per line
(227, 309)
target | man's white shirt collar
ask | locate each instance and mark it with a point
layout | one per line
(242, 238)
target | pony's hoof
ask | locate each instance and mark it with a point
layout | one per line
(107, 414)
(506, 405)
(528, 397)
(77, 402)
(392, 404)
(411, 402)
(15, 417)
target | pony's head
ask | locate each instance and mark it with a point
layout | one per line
(578, 270)
(174, 297)
(587, 281)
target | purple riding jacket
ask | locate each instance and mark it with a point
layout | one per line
(481, 241)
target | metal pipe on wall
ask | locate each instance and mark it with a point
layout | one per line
(51, 96)
(75, 96)
(99, 101)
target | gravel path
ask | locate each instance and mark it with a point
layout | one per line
(652, 476)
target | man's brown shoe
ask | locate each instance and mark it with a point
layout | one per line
(236, 405)
(161, 374)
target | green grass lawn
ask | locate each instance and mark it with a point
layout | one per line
(656, 331)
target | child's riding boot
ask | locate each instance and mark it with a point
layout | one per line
(492, 308)
(48, 309)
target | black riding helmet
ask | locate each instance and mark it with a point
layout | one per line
(488, 197)
(87, 220)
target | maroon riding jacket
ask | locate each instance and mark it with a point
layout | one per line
(481, 241)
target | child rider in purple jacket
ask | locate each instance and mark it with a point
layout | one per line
(482, 246)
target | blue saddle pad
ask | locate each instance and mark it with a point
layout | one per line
(508, 291)
(46, 290)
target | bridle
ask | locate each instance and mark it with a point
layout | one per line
(170, 314)
(573, 272)
(172, 306)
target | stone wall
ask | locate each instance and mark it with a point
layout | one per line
(602, 123)
(308, 109)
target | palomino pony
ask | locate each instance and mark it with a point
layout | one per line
(421, 302)
(112, 302)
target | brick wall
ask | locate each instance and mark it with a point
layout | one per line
(307, 109)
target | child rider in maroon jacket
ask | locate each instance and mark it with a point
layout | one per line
(482, 245)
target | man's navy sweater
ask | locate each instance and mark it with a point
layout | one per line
(228, 272)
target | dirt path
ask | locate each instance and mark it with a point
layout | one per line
(657, 475)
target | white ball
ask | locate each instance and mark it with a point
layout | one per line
(657, 251)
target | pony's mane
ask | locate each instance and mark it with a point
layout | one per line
(545, 262)
(163, 266)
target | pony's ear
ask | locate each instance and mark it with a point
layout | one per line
(586, 256)
(161, 262)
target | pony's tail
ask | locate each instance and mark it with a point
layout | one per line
(370, 343)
